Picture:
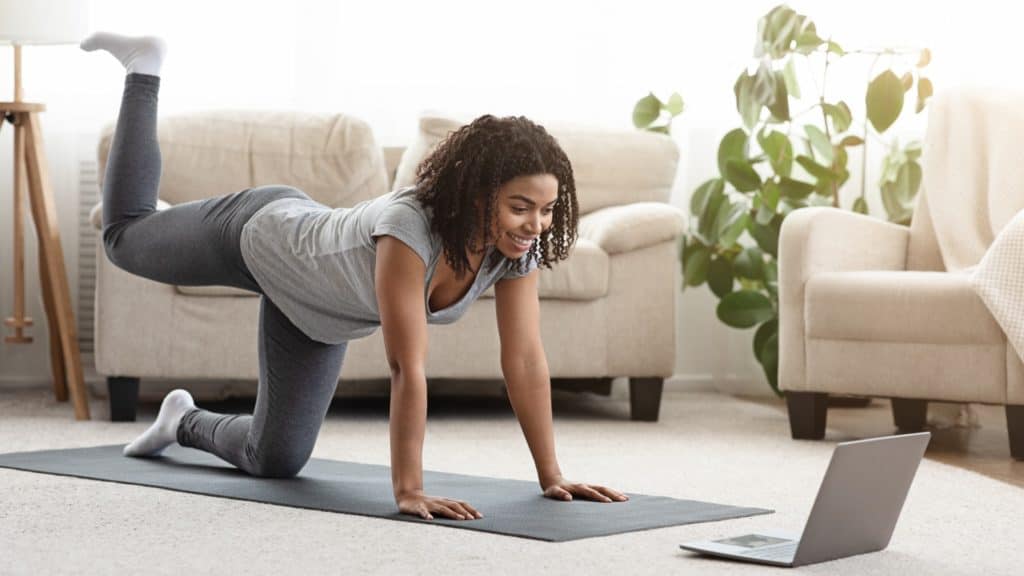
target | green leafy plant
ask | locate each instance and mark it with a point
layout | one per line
(778, 161)
(653, 115)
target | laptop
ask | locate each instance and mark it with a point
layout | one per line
(855, 512)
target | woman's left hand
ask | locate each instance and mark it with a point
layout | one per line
(563, 489)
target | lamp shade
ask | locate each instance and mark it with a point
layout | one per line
(43, 21)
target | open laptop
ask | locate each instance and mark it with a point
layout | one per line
(855, 512)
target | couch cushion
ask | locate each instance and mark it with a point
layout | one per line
(922, 307)
(332, 157)
(582, 276)
(610, 167)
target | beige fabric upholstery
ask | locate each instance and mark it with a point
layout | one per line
(608, 310)
(332, 157)
(871, 308)
(974, 169)
(610, 168)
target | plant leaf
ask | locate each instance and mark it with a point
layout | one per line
(924, 91)
(925, 58)
(908, 81)
(720, 278)
(764, 332)
(840, 116)
(779, 150)
(675, 104)
(749, 264)
(851, 141)
(646, 111)
(790, 78)
(745, 308)
(701, 196)
(734, 146)
(767, 237)
(769, 359)
(795, 189)
(780, 103)
(696, 264)
(860, 205)
(884, 100)
(819, 142)
(742, 175)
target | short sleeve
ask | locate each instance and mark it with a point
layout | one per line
(405, 222)
(513, 267)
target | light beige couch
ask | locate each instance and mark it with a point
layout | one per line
(608, 311)
(868, 308)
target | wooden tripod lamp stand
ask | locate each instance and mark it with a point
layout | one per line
(41, 22)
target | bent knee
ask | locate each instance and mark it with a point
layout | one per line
(278, 466)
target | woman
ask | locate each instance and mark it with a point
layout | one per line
(327, 276)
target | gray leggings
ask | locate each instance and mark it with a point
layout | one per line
(196, 244)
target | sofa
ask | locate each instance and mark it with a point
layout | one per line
(870, 308)
(607, 311)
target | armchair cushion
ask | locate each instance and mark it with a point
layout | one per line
(633, 226)
(332, 157)
(886, 306)
(610, 167)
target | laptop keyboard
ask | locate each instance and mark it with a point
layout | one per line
(781, 553)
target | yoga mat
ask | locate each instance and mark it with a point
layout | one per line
(510, 507)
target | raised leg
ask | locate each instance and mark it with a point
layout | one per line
(1015, 429)
(645, 398)
(807, 414)
(124, 397)
(909, 414)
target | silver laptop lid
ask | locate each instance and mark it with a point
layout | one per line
(861, 497)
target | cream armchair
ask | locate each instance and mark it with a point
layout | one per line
(607, 311)
(868, 307)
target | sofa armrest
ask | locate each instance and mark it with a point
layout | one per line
(632, 226)
(96, 214)
(821, 239)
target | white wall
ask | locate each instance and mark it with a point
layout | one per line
(387, 60)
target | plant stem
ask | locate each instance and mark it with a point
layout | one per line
(824, 120)
(864, 150)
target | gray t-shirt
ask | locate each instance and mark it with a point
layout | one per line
(316, 263)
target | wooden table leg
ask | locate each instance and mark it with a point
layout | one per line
(44, 214)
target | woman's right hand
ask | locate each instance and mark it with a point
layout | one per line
(419, 504)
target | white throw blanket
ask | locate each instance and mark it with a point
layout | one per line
(974, 179)
(999, 281)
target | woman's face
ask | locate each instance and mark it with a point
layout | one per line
(523, 209)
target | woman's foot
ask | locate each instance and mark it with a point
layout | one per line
(138, 54)
(164, 430)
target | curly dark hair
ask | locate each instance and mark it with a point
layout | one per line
(476, 160)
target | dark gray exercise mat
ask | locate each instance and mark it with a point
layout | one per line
(511, 507)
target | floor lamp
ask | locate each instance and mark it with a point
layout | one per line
(41, 22)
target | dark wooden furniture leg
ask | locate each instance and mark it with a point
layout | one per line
(807, 414)
(645, 398)
(124, 397)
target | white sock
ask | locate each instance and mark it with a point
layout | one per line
(139, 54)
(164, 430)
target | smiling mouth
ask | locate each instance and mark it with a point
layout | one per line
(521, 241)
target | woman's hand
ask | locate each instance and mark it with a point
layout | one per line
(419, 504)
(562, 489)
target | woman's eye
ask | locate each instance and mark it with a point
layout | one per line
(546, 212)
(519, 210)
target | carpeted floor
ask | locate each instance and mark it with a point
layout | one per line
(707, 446)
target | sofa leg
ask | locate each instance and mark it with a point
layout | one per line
(909, 414)
(645, 398)
(807, 414)
(124, 397)
(1015, 429)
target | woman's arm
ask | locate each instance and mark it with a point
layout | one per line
(399, 276)
(525, 368)
(399, 279)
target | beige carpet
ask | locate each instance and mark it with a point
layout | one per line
(706, 446)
